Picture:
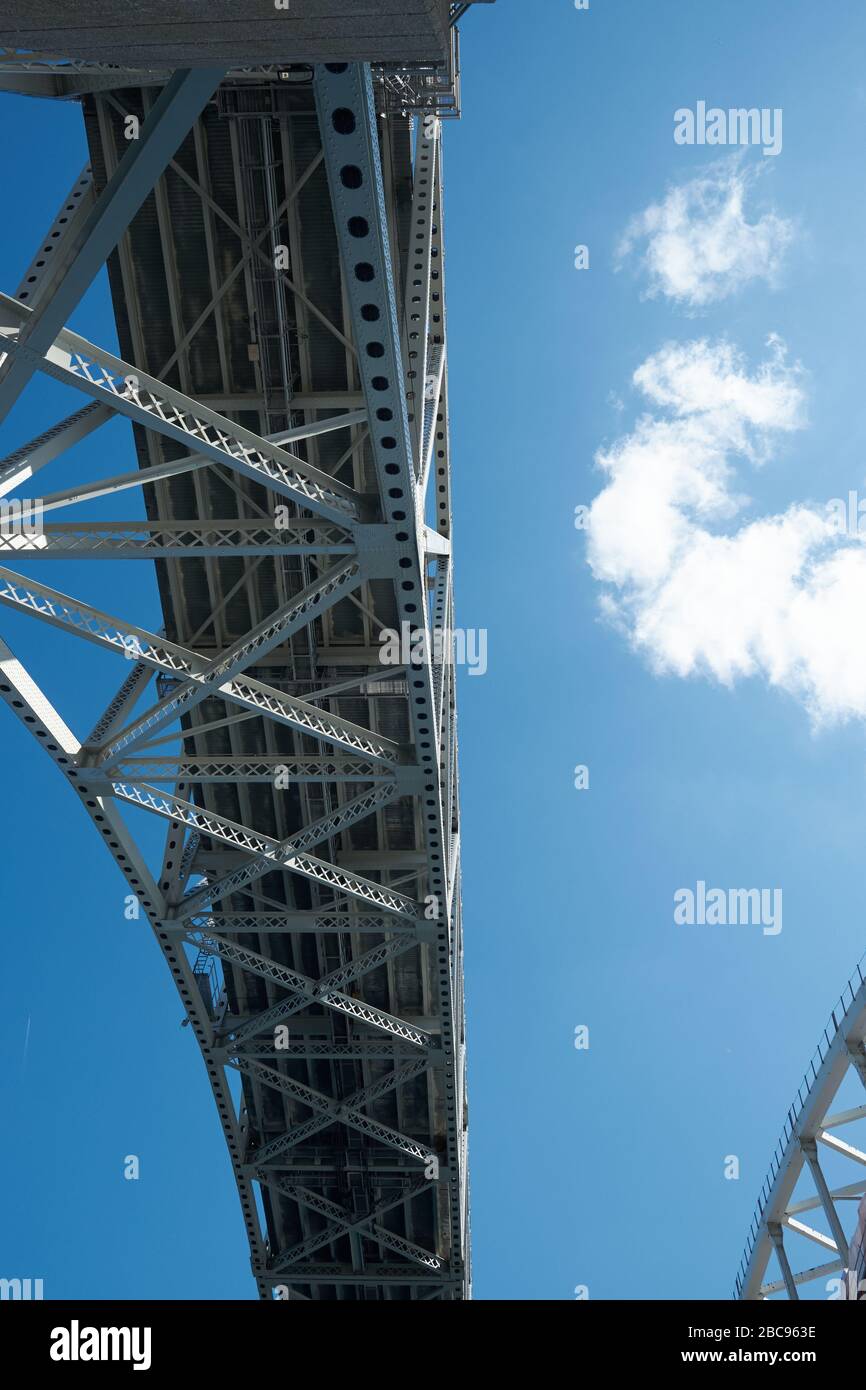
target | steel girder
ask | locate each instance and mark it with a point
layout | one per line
(809, 1127)
(344, 100)
(367, 544)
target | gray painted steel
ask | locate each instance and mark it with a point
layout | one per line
(280, 309)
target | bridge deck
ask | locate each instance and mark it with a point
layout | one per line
(293, 411)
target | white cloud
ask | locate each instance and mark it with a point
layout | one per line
(781, 597)
(696, 246)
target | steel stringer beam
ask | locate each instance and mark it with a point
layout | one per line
(19, 467)
(148, 540)
(372, 1275)
(177, 107)
(350, 138)
(129, 391)
(272, 768)
(58, 609)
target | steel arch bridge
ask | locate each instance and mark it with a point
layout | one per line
(816, 1134)
(275, 255)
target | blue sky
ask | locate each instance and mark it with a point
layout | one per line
(601, 1167)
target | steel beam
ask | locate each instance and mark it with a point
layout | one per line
(179, 540)
(350, 137)
(779, 1244)
(322, 991)
(352, 811)
(310, 1050)
(51, 606)
(375, 1275)
(320, 921)
(178, 106)
(129, 391)
(19, 467)
(295, 860)
(807, 1276)
(418, 274)
(810, 1150)
(270, 768)
(346, 1112)
(121, 706)
(39, 277)
(309, 604)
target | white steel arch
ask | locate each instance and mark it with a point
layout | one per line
(814, 1127)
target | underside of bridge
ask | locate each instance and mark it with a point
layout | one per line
(278, 286)
(200, 32)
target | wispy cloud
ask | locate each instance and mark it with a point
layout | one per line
(781, 597)
(696, 246)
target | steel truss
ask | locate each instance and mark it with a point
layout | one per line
(811, 1130)
(292, 968)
